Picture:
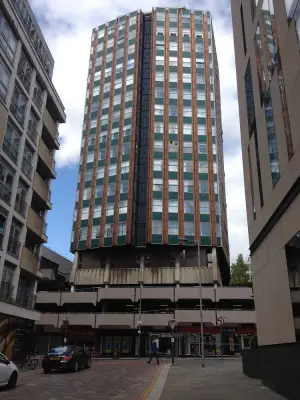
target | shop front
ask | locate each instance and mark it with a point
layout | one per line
(16, 339)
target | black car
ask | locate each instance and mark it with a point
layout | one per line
(66, 357)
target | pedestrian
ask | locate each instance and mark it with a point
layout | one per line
(154, 350)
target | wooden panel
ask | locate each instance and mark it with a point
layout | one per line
(133, 132)
(96, 150)
(151, 133)
(85, 150)
(180, 132)
(209, 134)
(120, 141)
(195, 132)
(108, 140)
(165, 204)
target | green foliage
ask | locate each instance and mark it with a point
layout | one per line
(239, 272)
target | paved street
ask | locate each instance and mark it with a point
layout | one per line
(135, 380)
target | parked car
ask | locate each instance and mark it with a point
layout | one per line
(66, 357)
(8, 372)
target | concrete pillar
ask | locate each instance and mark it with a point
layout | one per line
(177, 270)
(15, 282)
(74, 268)
(142, 267)
(106, 272)
(214, 260)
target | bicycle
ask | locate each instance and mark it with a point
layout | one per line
(31, 361)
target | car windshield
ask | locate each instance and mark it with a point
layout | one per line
(61, 350)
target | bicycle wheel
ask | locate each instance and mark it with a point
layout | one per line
(33, 363)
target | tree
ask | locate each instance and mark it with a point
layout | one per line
(239, 272)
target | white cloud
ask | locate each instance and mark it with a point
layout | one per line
(70, 49)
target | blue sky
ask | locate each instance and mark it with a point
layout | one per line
(67, 26)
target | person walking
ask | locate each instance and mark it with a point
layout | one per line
(154, 350)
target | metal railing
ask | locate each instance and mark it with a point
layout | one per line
(13, 247)
(5, 193)
(6, 291)
(32, 132)
(26, 300)
(20, 206)
(10, 150)
(24, 78)
(27, 168)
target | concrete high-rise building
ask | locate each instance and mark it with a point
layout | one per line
(266, 36)
(30, 112)
(151, 168)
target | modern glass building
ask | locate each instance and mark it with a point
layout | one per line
(151, 177)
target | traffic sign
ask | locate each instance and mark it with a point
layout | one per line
(172, 323)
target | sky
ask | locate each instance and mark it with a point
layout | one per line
(67, 27)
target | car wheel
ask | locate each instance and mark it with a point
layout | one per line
(47, 371)
(89, 363)
(76, 366)
(12, 380)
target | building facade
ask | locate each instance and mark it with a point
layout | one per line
(266, 36)
(30, 112)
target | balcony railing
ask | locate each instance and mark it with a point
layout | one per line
(6, 291)
(10, 150)
(32, 132)
(21, 206)
(26, 300)
(24, 78)
(13, 247)
(5, 193)
(27, 168)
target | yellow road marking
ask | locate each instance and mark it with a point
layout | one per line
(148, 391)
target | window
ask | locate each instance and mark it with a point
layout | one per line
(173, 206)
(33, 126)
(111, 189)
(21, 197)
(203, 167)
(189, 228)
(124, 187)
(110, 209)
(11, 141)
(18, 104)
(173, 77)
(83, 233)
(249, 96)
(156, 227)
(202, 148)
(173, 165)
(38, 95)
(188, 186)
(173, 185)
(204, 187)
(88, 175)
(157, 205)
(4, 79)
(112, 170)
(25, 71)
(86, 194)
(8, 40)
(85, 213)
(126, 148)
(102, 154)
(216, 187)
(27, 161)
(100, 173)
(205, 228)
(201, 113)
(204, 207)
(95, 231)
(173, 228)
(186, 78)
(99, 191)
(187, 166)
(157, 185)
(159, 109)
(125, 167)
(97, 211)
(122, 229)
(217, 208)
(6, 181)
(218, 230)
(90, 157)
(13, 247)
(189, 206)
(123, 207)
(157, 165)
(158, 146)
(159, 93)
(187, 111)
(187, 94)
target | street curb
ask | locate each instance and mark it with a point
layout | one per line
(148, 390)
(158, 386)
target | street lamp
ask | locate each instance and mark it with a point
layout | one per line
(201, 338)
(140, 319)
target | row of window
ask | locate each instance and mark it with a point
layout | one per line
(186, 78)
(189, 228)
(187, 111)
(186, 47)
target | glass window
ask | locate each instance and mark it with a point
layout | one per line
(216, 187)
(173, 110)
(18, 104)
(205, 228)
(7, 38)
(173, 165)
(156, 227)
(217, 208)
(88, 175)
(159, 76)
(204, 187)
(6, 179)
(173, 185)
(202, 148)
(173, 206)
(189, 206)
(102, 154)
(99, 192)
(100, 173)
(173, 77)
(123, 207)
(204, 207)
(187, 111)
(159, 127)
(108, 230)
(201, 112)
(11, 141)
(157, 205)
(95, 231)
(124, 167)
(187, 147)
(187, 166)
(4, 79)
(124, 187)
(203, 167)
(90, 157)
(126, 148)
(159, 93)
(83, 233)
(157, 185)
(158, 146)
(97, 211)
(85, 213)
(86, 194)
(111, 189)
(157, 165)
(114, 151)
(173, 227)
(110, 209)
(189, 228)
(27, 160)
(122, 229)
(188, 186)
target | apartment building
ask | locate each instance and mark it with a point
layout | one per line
(150, 189)
(30, 113)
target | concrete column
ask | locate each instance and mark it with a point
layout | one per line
(106, 272)
(74, 267)
(15, 282)
(214, 264)
(142, 266)
(177, 270)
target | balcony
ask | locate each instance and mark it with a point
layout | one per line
(9, 150)
(5, 193)
(51, 128)
(48, 298)
(79, 298)
(13, 247)
(47, 157)
(27, 168)
(114, 320)
(26, 300)
(29, 261)
(42, 190)
(21, 206)
(32, 132)
(37, 225)
(155, 319)
(6, 291)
